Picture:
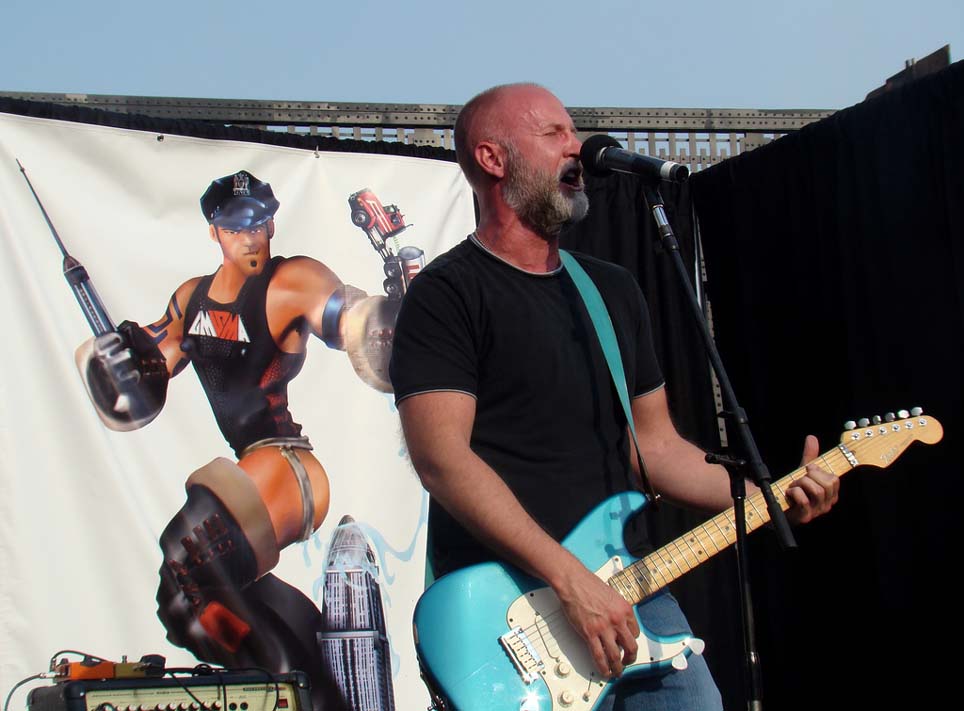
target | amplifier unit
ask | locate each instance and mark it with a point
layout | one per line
(214, 691)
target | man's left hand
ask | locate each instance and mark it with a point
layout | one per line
(814, 494)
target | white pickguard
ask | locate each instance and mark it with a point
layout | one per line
(566, 665)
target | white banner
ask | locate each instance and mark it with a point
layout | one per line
(83, 506)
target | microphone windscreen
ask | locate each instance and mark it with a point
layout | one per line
(591, 153)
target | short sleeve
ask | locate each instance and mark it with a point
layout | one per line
(649, 377)
(434, 345)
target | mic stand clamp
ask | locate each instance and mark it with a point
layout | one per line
(736, 468)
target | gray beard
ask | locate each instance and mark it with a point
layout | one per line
(537, 199)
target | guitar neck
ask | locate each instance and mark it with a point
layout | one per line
(638, 581)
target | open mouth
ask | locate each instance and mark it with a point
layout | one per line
(572, 176)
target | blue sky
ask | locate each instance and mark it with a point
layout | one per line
(739, 54)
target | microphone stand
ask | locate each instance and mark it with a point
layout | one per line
(735, 415)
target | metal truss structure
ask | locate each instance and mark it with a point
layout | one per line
(697, 138)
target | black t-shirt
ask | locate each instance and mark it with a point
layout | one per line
(548, 419)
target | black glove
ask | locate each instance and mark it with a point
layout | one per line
(127, 376)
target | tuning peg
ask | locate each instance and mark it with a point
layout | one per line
(917, 411)
(902, 414)
(850, 425)
(877, 419)
(863, 422)
(890, 417)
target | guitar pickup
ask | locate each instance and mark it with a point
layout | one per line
(524, 657)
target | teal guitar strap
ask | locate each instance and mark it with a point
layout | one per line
(603, 324)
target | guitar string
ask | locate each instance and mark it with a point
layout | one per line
(643, 588)
(754, 502)
(828, 461)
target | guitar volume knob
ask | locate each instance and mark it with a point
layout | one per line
(563, 669)
(566, 698)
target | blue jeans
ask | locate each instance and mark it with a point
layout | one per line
(692, 689)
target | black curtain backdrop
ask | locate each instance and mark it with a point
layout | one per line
(836, 274)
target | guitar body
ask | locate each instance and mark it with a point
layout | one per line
(493, 638)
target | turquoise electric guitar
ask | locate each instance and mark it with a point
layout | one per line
(490, 638)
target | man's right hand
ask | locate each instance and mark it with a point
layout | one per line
(126, 376)
(437, 427)
(115, 360)
(602, 617)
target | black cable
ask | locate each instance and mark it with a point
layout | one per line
(272, 679)
(173, 675)
(87, 657)
(6, 703)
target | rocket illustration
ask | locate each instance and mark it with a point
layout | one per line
(353, 639)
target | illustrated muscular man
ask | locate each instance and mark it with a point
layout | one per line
(244, 328)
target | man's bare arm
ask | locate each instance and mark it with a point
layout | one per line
(679, 471)
(301, 289)
(437, 429)
(168, 331)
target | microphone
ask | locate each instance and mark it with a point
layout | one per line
(602, 154)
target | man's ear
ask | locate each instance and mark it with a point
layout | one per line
(269, 226)
(491, 158)
(213, 231)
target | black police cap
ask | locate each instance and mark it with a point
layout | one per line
(239, 201)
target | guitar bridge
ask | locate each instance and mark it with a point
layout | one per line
(525, 658)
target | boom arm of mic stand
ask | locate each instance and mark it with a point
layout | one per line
(733, 411)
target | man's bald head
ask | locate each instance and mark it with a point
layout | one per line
(518, 148)
(484, 118)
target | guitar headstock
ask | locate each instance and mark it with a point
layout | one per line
(879, 441)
